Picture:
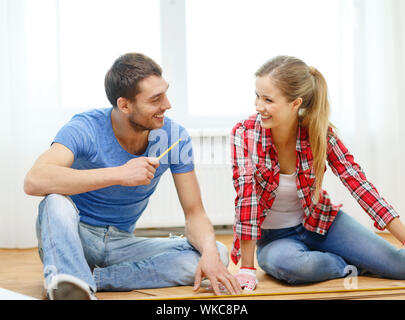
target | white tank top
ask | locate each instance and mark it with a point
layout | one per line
(286, 210)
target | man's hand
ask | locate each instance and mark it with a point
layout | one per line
(211, 267)
(138, 171)
(247, 278)
(200, 233)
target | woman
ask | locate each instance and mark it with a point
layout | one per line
(278, 158)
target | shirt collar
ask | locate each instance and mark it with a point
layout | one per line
(302, 138)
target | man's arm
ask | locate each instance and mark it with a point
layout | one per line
(200, 234)
(52, 173)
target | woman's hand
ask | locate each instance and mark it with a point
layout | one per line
(247, 278)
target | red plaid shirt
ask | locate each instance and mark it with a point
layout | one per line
(256, 178)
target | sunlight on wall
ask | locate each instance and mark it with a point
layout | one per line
(228, 40)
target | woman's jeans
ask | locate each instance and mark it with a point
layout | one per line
(107, 258)
(296, 255)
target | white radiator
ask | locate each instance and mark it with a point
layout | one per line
(213, 169)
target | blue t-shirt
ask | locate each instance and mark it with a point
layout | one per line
(90, 137)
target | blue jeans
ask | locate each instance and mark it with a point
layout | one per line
(296, 255)
(107, 258)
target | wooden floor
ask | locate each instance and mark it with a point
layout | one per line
(21, 271)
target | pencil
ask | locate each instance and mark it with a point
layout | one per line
(172, 146)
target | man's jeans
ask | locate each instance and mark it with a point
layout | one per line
(119, 260)
(296, 255)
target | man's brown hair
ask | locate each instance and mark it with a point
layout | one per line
(122, 80)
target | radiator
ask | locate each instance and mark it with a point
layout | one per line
(213, 169)
(212, 165)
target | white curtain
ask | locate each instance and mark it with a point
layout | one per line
(370, 121)
(29, 105)
(34, 76)
(372, 114)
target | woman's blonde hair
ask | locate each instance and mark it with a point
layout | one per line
(295, 79)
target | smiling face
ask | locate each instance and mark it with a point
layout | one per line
(146, 112)
(273, 106)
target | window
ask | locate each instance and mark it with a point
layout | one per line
(209, 50)
(228, 40)
(93, 33)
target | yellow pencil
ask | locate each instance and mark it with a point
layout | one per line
(172, 146)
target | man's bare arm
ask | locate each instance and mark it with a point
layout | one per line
(52, 173)
(200, 233)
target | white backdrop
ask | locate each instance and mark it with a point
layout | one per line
(370, 121)
(28, 120)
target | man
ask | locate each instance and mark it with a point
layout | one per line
(97, 178)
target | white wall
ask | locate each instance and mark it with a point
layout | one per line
(371, 117)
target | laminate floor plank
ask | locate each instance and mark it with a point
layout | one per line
(21, 271)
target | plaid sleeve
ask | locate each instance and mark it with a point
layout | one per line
(350, 173)
(247, 209)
